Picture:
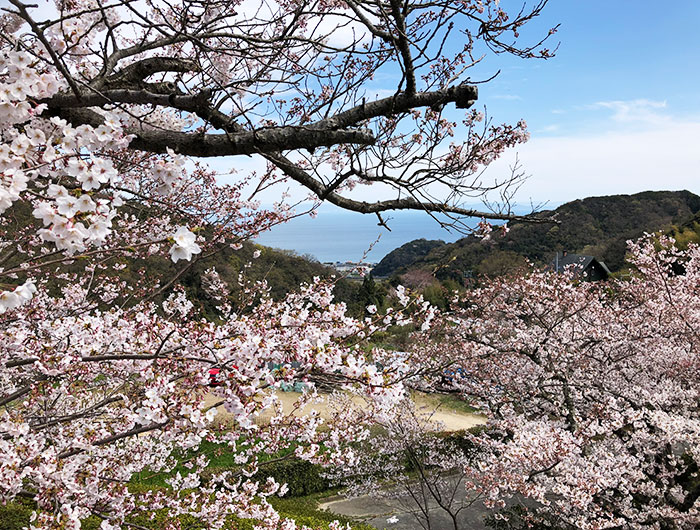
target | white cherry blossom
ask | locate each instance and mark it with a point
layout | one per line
(184, 245)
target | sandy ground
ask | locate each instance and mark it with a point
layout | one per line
(453, 420)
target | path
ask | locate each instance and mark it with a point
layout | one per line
(392, 514)
(453, 420)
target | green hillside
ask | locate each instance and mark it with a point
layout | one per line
(405, 255)
(283, 270)
(598, 226)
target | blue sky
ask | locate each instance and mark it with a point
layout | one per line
(617, 110)
(617, 50)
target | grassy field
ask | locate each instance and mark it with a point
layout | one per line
(444, 402)
(304, 510)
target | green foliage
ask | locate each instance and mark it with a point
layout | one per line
(405, 255)
(599, 226)
(686, 233)
(305, 481)
(160, 519)
(15, 515)
(304, 510)
(397, 338)
(302, 477)
(371, 293)
(686, 236)
(501, 263)
(283, 271)
(437, 295)
(461, 441)
(689, 480)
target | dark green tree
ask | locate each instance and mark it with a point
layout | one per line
(370, 293)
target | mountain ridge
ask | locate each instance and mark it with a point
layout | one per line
(598, 226)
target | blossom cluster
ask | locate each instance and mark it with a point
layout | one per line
(591, 390)
(280, 341)
(17, 297)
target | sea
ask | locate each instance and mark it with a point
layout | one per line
(337, 235)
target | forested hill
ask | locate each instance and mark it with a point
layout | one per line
(283, 270)
(405, 255)
(598, 226)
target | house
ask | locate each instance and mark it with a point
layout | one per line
(587, 266)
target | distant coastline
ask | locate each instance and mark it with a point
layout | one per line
(337, 235)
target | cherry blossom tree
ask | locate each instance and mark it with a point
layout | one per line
(107, 112)
(290, 82)
(410, 460)
(591, 390)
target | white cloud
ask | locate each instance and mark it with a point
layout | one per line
(507, 97)
(636, 110)
(569, 167)
(339, 29)
(565, 168)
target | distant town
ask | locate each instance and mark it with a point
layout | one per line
(353, 269)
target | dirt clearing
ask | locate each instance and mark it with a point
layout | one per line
(446, 410)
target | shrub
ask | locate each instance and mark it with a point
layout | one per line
(302, 477)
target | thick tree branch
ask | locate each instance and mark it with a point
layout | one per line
(134, 96)
(464, 96)
(246, 143)
(81, 414)
(407, 203)
(104, 441)
(323, 133)
(242, 143)
(18, 394)
(403, 47)
(141, 70)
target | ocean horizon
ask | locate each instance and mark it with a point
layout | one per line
(339, 235)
